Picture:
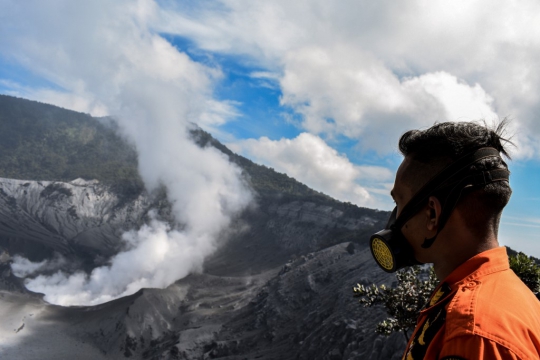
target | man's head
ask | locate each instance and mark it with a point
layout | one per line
(479, 208)
(428, 151)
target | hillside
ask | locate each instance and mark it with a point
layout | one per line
(278, 287)
(44, 142)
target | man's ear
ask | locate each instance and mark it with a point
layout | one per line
(433, 213)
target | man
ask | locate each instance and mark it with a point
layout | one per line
(450, 191)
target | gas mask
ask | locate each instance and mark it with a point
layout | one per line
(390, 248)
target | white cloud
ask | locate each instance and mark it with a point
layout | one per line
(459, 100)
(342, 90)
(401, 66)
(311, 161)
(104, 55)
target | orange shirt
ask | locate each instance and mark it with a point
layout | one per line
(482, 310)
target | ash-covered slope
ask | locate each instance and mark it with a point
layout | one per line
(302, 310)
(269, 293)
(80, 220)
(278, 288)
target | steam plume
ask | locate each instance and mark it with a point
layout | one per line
(106, 53)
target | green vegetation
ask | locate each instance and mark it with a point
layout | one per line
(528, 271)
(402, 302)
(45, 142)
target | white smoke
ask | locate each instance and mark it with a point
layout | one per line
(23, 267)
(156, 257)
(105, 52)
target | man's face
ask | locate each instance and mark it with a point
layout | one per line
(414, 229)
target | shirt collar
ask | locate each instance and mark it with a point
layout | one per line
(487, 262)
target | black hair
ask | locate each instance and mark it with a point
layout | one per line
(434, 148)
(450, 141)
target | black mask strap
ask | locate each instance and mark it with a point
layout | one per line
(451, 200)
(449, 175)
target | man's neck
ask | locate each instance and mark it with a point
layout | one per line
(460, 252)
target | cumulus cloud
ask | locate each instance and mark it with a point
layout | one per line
(359, 68)
(106, 53)
(311, 161)
(459, 100)
(342, 90)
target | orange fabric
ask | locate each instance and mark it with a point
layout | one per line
(490, 313)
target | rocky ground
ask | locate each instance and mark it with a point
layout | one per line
(281, 288)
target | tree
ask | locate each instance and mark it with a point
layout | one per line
(402, 302)
(527, 270)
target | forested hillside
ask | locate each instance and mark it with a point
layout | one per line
(44, 142)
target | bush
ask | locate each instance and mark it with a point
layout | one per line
(403, 302)
(527, 270)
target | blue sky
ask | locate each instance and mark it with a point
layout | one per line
(260, 114)
(317, 91)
